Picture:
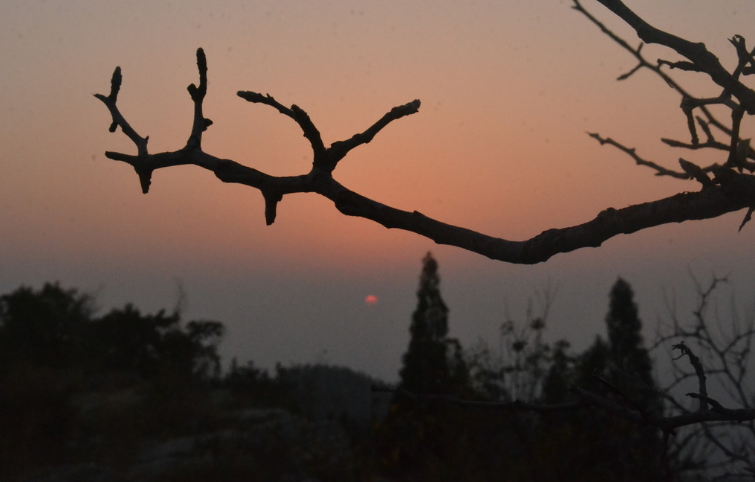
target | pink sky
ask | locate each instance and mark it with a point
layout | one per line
(508, 90)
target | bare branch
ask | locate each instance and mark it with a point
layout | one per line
(631, 151)
(737, 155)
(725, 356)
(747, 218)
(637, 53)
(696, 172)
(704, 126)
(745, 56)
(341, 148)
(681, 65)
(709, 144)
(702, 395)
(142, 168)
(118, 120)
(327, 159)
(696, 53)
(297, 114)
(197, 95)
(689, 102)
(721, 199)
(727, 192)
(687, 107)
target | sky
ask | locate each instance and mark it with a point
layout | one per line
(509, 91)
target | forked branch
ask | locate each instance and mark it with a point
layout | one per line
(722, 352)
(726, 192)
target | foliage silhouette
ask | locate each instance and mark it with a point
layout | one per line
(139, 377)
(620, 369)
(433, 361)
(54, 351)
(93, 397)
(414, 434)
(48, 327)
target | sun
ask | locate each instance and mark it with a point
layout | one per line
(370, 300)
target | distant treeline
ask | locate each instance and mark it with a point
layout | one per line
(79, 388)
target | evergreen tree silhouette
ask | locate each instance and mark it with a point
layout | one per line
(630, 363)
(619, 369)
(622, 360)
(427, 362)
(417, 436)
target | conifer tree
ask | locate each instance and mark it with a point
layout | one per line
(628, 356)
(622, 360)
(623, 363)
(416, 433)
(432, 363)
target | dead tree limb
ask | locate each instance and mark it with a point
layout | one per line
(726, 192)
(722, 353)
(699, 57)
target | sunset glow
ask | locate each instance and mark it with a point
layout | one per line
(508, 89)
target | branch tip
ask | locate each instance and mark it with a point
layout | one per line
(201, 61)
(145, 179)
(747, 218)
(115, 84)
(198, 93)
(271, 205)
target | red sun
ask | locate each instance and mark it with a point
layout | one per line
(370, 300)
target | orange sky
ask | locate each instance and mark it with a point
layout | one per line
(508, 91)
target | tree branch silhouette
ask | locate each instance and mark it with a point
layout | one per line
(727, 191)
(723, 351)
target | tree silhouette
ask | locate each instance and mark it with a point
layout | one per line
(57, 328)
(620, 370)
(414, 434)
(728, 190)
(432, 363)
(627, 355)
(128, 340)
(46, 327)
(557, 381)
(54, 350)
(622, 361)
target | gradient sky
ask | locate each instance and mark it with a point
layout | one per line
(508, 90)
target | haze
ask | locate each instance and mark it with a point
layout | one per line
(508, 90)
